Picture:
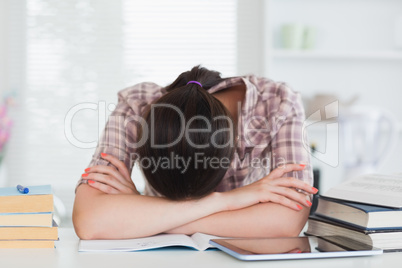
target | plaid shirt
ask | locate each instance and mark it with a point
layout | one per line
(269, 131)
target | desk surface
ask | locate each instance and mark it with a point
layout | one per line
(67, 255)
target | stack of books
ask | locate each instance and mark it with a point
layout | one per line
(26, 220)
(367, 209)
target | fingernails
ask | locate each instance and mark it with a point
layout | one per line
(103, 154)
(302, 165)
(87, 169)
(84, 175)
(91, 181)
(315, 190)
(309, 203)
(299, 251)
(299, 207)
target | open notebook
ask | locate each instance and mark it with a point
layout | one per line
(198, 241)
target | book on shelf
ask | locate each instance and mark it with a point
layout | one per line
(38, 219)
(372, 189)
(39, 199)
(386, 239)
(362, 216)
(198, 241)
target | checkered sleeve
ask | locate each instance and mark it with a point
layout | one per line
(118, 137)
(289, 144)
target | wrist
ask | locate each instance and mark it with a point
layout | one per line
(216, 201)
(219, 200)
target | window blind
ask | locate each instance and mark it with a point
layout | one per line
(66, 53)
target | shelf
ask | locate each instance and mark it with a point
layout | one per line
(334, 55)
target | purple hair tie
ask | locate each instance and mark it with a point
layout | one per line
(194, 82)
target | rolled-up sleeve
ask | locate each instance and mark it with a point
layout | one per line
(289, 143)
(119, 137)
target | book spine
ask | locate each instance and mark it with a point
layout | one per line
(354, 227)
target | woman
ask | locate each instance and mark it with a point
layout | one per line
(220, 156)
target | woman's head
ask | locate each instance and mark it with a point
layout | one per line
(191, 140)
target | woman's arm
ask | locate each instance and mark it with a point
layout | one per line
(106, 216)
(100, 214)
(112, 208)
(260, 220)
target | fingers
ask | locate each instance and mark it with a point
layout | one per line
(108, 170)
(296, 250)
(282, 200)
(276, 176)
(284, 189)
(294, 197)
(105, 179)
(294, 183)
(118, 164)
(102, 187)
(282, 170)
(111, 179)
(113, 186)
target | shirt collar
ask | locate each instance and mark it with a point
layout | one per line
(250, 98)
(247, 109)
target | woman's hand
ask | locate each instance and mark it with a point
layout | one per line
(109, 179)
(272, 188)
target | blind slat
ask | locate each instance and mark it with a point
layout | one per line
(68, 52)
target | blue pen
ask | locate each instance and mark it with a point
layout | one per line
(22, 189)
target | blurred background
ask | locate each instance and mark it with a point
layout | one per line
(344, 57)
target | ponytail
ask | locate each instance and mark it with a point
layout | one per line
(200, 108)
(199, 74)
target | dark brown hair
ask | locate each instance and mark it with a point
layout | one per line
(199, 108)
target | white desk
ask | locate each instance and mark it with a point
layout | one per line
(66, 255)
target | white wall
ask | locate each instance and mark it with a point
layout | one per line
(359, 25)
(3, 42)
(250, 37)
(344, 29)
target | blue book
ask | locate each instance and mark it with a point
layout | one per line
(33, 190)
(362, 216)
(38, 199)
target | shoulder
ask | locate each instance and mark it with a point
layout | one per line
(278, 97)
(135, 98)
(141, 91)
(269, 88)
